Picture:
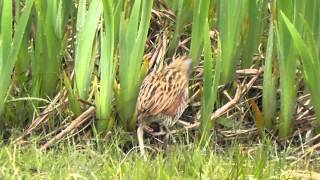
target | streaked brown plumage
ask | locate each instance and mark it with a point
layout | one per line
(163, 96)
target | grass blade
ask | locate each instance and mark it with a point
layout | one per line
(210, 86)
(6, 67)
(132, 39)
(310, 62)
(269, 84)
(287, 62)
(200, 15)
(253, 29)
(104, 96)
(181, 20)
(229, 20)
(83, 59)
(6, 29)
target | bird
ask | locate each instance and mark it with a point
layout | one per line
(163, 97)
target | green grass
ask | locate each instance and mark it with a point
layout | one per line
(107, 159)
(100, 52)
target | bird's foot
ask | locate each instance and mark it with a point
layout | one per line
(161, 132)
(148, 129)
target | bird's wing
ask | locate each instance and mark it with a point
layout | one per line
(144, 97)
(160, 94)
(178, 105)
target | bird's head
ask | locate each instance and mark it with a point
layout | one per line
(183, 64)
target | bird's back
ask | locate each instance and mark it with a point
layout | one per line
(162, 95)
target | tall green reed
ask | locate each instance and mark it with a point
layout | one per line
(104, 96)
(287, 63)
(9, 47)
(50, 43)
(230, 19)
(269, 83)
(253, 28)
(210, 85)
(307, 44)
(87, 23)
(133, 35)
(200, 14)
(184, 12)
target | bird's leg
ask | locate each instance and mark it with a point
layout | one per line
(166, 139)
(166, 143)
(169, 134)
(140, 140)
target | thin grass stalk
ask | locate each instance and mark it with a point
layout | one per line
(9, 56)
(87, 23)
(51, 19)
(253, 23)
(206, 101)
(287, 63)
(133, 35)
(24, 60)
(6, 31)
(22, 110)
(73, 102)
(24, 57)
(107, 73)
(269, 84)
(40, 51)
(53, 44)
(200, 15)
(16, 9)
(56, 39)
(118, 8)
(174, 5)
(230, 19)
(312, 21)
(308, 50)
(6, 34)
(181, 20)
(210, 86)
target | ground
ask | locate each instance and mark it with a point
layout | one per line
(107, 158)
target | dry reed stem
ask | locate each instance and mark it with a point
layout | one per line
(43, 117)
(73, 125)
(241, 90)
